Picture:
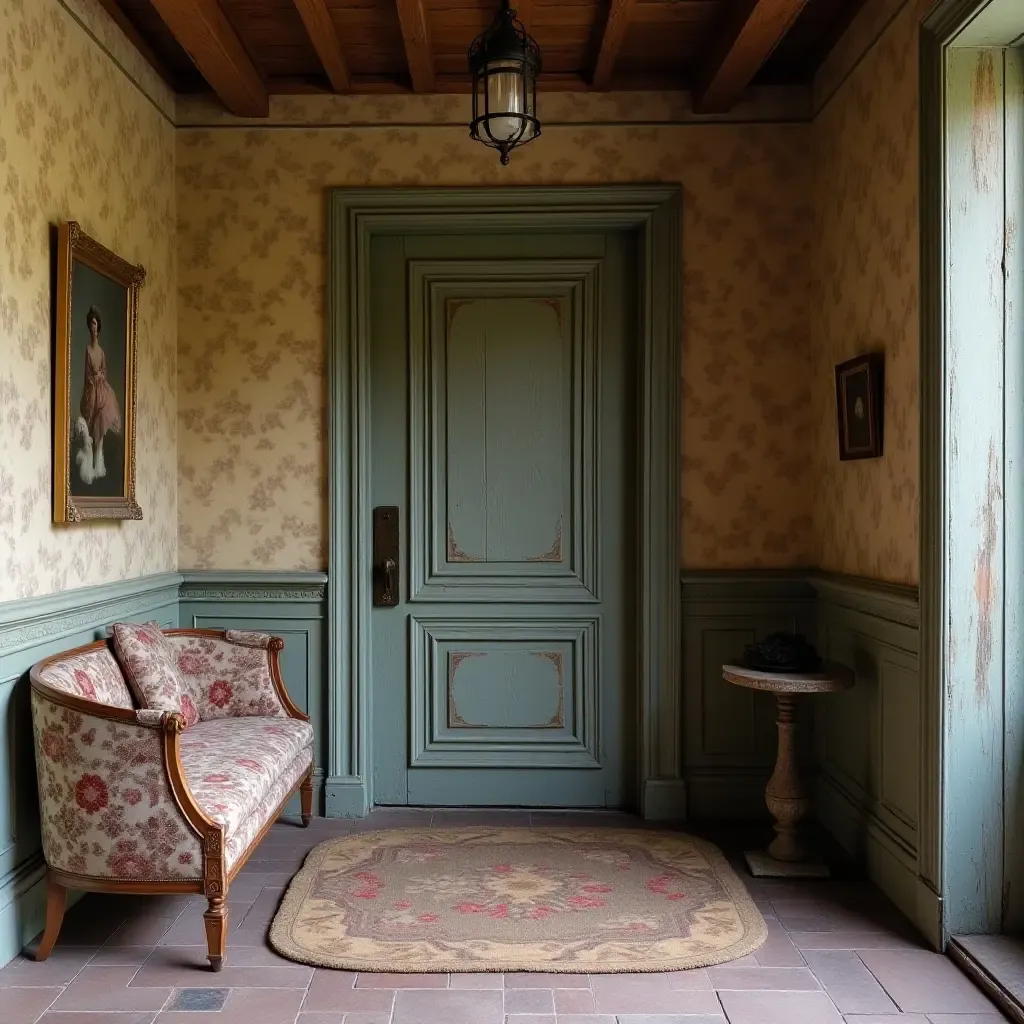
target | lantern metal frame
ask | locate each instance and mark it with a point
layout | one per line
(505, 47)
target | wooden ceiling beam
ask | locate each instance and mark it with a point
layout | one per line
(132, 34)
(619, 15)
(752, 30)
(412, 16)
(324, 38)
(206, 35)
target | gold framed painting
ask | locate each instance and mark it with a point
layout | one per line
(94, 381)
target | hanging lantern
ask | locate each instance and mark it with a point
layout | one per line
(504, 61)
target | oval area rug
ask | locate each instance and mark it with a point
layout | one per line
(575, 901)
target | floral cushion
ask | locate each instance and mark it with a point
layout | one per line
(94, 675)
(236, 844)
(148, 663)
(106, 808)
(231, 765)
(226, 679)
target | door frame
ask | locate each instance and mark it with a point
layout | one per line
(355, 216)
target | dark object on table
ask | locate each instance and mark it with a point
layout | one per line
(782, 652)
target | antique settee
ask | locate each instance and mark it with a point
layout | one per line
(171, 796)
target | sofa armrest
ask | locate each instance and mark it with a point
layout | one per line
(110, 807)
(233, 673)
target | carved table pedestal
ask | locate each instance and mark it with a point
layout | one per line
(787, 798)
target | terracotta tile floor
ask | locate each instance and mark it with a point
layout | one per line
(837, 953)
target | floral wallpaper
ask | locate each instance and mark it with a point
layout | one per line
(252, 343)
(865, 151)
(80, 139)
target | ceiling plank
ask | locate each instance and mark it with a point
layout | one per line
(619, 15)
(524, 12)
(325, 41)
(416, 35)
(753, 29)
(206, 35)
(132, 34)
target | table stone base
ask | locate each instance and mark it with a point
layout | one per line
(763, 866)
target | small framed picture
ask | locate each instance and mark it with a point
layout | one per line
(859, 406)
(97, 305)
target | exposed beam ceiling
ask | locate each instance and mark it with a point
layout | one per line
(619, 15)
(753, 28)
(206, 35)
(413, 18)
(325, 41)
(135, 38)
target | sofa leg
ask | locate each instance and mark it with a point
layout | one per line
(216, 920)
(306, 798)
(56, 900)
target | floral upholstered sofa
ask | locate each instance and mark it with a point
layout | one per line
(163, 756)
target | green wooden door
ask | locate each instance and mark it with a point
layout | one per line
(503, 427)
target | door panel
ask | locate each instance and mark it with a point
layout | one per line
(502, 418)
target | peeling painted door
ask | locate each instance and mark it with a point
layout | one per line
(503, 430)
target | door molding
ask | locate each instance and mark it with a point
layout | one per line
(355, 216)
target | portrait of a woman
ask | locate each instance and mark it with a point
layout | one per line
(98, 408)
(94, 426)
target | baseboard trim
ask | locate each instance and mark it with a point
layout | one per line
(986, 981)
(728, 793)
(664, 800)
(345, 796)
(22, 906)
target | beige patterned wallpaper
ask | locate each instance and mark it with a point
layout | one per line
(80, 140)
(252, 257)
(865, 153)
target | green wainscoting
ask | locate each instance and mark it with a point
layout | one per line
(291, 605)
(729, 732)
(868, 740)
(32, 629)
(860, 749)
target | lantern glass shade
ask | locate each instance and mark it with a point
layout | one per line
(505, 62)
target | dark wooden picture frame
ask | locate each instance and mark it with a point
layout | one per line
(94, 384)
(860, 402)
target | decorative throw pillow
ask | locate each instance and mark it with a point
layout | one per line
(148, 664)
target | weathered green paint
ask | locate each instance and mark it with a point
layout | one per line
(499, 366)
(1013, 450)
(965, 604)
(291, 605)
(32, 629)
(652, 212)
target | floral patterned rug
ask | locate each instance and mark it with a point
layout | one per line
(516, 899)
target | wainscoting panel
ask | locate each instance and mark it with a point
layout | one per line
(291, 605)
(729, 732)
(32, 629)
(868, 739)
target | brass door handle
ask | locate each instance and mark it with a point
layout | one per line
(388, 569)
(386, 553)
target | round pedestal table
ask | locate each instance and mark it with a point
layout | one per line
(787, 799)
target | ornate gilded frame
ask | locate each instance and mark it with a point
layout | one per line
(74, 245)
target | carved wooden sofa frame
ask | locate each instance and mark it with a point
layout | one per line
(215, 878)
